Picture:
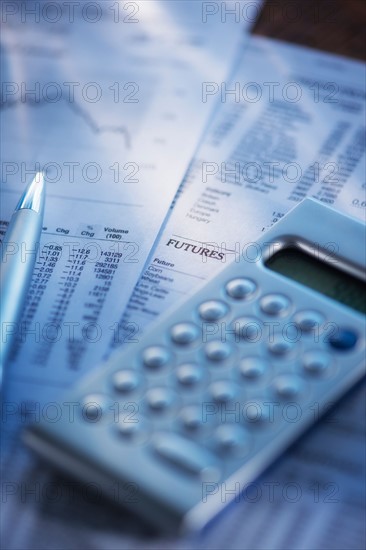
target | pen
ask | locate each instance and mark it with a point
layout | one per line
(18, 257)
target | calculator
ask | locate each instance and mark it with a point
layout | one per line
(175, 426)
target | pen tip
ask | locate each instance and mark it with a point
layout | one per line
(33, 196)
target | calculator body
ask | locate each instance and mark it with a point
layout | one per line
(174, 426)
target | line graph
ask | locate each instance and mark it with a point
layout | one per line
(77, 110)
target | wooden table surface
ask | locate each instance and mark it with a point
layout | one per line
(337, 26)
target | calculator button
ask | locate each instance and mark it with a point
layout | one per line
(128, 427)
(131, 428)
(345, 339)
(126, 381)
(279, 346)
(189, 374)
(275, 304)
(94, 407)
(241, 289)
(184, 334)
(317, 362)
(160, 399)
(253, 367)
(258, 412)
(288, 386)
(191, 417)
(156, 357)
(218, 351)
(213, 310)
(247, 329)
(223, 391)
(186, 455)
(232, 438)
(308, 320)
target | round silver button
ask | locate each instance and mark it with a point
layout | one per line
(223, 391)
(95, 407)
(128, 427)
(253, 367)
(156, 357)
(232, 438)
(308, 320)
(191, 417)
(160, 399)
(126, 381)
(279, 346)
(258, 412)
(241, 288)
(213, 310)
(247, 329)
(132, 428)
(276, 305)
(288, 386)
(189, 374)
(184, 334)
(317, 362)
(218, 351)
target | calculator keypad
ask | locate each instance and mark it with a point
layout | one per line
(270, 365)
(221, 410)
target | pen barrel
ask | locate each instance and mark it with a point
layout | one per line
(19, 251)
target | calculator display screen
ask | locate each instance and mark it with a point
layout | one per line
(327, 279)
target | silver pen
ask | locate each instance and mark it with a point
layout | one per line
(18, 257)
